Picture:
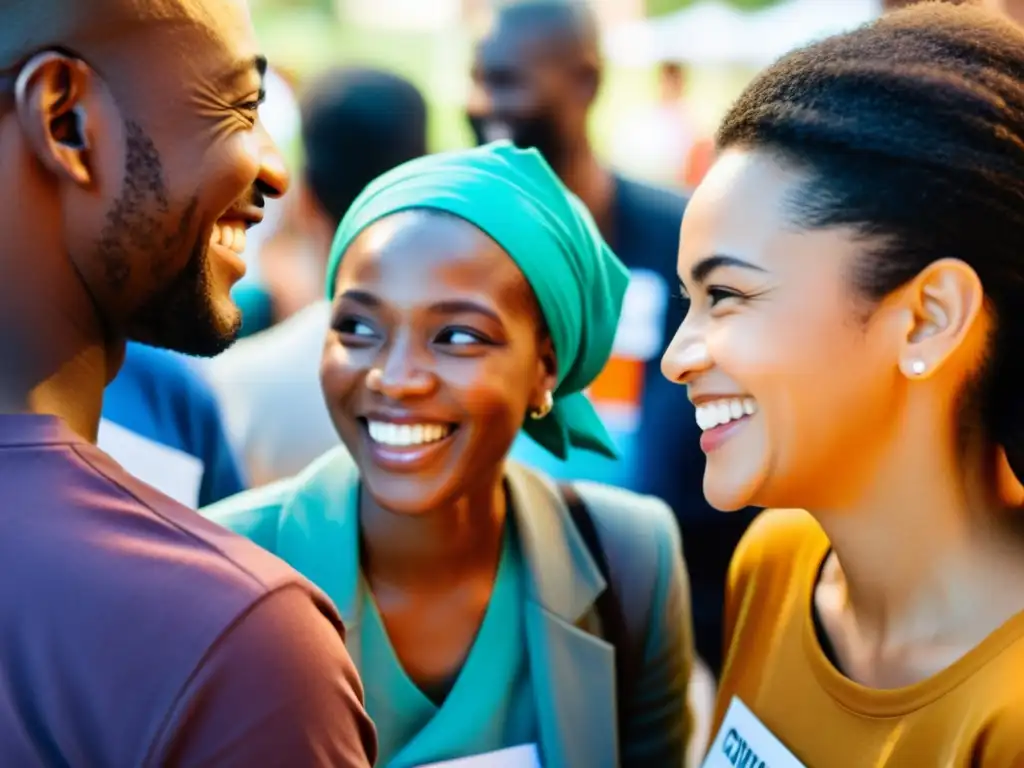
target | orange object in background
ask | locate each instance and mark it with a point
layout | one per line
(620, 383)
(698, 162)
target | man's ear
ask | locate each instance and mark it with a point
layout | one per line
(51, 99)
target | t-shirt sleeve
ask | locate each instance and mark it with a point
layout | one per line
(277, 689)
(741, 568)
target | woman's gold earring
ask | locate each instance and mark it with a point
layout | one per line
(545, 408)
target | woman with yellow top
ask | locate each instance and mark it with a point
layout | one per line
(855, 348)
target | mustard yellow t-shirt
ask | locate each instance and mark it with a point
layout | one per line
(971, 715)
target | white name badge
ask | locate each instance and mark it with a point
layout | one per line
(525, 756)
(744, 742)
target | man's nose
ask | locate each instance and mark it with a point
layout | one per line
(273, 179)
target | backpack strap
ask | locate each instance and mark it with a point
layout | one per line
(608, 604)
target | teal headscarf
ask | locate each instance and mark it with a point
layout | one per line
(514, 197)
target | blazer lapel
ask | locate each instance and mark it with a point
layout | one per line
(318, 534)
(573, 672)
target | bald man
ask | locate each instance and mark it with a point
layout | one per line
(536, 74)
(134, 633)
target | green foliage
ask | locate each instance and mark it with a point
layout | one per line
(662, 7)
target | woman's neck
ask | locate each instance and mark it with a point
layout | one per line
(438, 547)
(926, 553)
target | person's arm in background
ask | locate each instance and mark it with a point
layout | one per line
(277, 690)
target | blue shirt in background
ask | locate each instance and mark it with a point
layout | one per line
(159, 396)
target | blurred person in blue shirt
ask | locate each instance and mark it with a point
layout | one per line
(162, 423)
(536, 76)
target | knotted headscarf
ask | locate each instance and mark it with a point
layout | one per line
(514, 197)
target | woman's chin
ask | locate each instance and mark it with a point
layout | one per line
(729, 494)
(404, 495)
(404, 505)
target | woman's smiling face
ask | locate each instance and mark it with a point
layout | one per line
(433, 359)
(793, 377)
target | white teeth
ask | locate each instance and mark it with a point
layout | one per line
(231, 236)
(715, 414)
(723, 412)
(401, 435)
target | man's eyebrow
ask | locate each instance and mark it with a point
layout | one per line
(704, 267)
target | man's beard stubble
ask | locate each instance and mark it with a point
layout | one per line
(181, 314)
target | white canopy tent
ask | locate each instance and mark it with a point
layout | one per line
(714, 33)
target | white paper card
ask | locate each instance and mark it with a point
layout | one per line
(744, 742)
(525, 756)
(173, 472)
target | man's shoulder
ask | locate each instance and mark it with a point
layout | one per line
(132, 537)
(125, 589)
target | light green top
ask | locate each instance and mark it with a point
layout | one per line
(490, 706)
(312, 522)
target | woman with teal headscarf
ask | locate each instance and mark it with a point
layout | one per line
(486, 607)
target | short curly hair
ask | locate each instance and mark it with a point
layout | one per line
(911, 133)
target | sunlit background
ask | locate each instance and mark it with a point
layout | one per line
(721, 45)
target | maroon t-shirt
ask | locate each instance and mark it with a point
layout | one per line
(135, 633)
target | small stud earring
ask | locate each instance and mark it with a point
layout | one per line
(918, 367)
(544, 408)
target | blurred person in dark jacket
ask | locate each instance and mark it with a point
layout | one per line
(356, 125)
(537, 74)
